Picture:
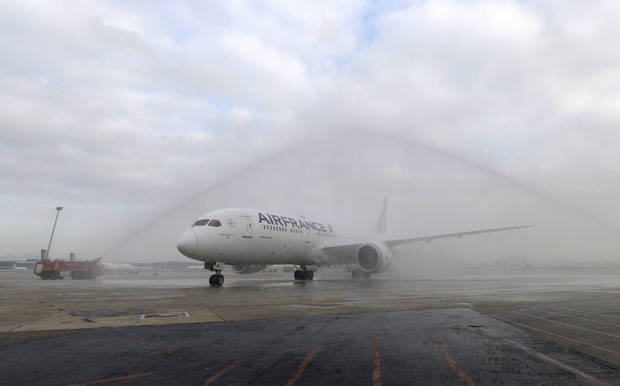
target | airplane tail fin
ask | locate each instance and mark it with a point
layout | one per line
(382, 219)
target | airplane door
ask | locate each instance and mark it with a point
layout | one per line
(246, 227)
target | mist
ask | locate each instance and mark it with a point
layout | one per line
(343, 179)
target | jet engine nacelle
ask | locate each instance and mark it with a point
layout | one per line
(247, 269)
(373, 257)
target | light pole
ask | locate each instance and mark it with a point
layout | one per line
(47, 251)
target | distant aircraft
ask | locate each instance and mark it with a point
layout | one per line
(118, 268)
(250, 239)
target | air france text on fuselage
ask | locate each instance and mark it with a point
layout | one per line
(272, 219)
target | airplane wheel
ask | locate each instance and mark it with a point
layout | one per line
(303, 275)
(358, 274)
(216, 280)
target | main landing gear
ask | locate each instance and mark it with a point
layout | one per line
(358, 274)
(303, 274)
(217, 279)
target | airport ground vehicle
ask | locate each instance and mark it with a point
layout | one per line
(54, 270)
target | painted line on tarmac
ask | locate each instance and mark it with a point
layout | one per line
(159, 349)
(548, 358)
(123, 335)
(569, 325)
(556, 335)
(396, 332)
(119, 379)
(310, 356)
(376, 364)
(209, 380)
(557, 363)
(166, 352)
(575, 317)
(590, 313)
(231, 366)
(235, 362)
(466, 380)
(291, 381)
(223, 371)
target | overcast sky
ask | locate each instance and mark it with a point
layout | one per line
(123, 111)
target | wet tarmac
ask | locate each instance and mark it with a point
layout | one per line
(496, 327)
(449, 346)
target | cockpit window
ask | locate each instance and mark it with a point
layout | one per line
(215, 223)
(201, 222)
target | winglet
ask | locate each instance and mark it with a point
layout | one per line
(382, 219)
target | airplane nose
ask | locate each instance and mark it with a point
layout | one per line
(187, 244)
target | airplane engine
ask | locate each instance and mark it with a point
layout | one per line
(247, 269)
(373, 257)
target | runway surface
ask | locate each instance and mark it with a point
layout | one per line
(449, 346)
(499, 327)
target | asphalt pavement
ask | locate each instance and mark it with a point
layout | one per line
(426, 347)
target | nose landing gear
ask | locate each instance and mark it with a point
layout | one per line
(303, 274)
(217, 279)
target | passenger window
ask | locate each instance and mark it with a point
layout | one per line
(215, 223)
(201, 222)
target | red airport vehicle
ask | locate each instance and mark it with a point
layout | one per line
(52, 270)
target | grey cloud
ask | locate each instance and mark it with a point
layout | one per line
(124, 110)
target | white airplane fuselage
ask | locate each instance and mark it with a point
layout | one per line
(248, 236)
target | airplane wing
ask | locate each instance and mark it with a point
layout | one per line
(430, 238)
(394, 242)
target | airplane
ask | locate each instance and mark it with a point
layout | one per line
(251, 239)
(119, 268)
